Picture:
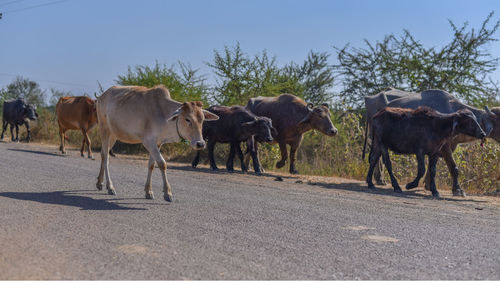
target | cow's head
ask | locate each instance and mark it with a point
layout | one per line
(262, 128)
(465, 122)
(30, 112)
(493, 120)
(189, 120)
(319, 118)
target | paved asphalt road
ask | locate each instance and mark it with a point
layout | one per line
(55, 224)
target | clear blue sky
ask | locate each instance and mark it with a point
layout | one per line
(78, 42)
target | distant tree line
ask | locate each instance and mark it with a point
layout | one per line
(463, 67)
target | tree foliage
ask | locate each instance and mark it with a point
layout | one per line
(240, 77)
(461, 67)
(26, 89)
(183, 82)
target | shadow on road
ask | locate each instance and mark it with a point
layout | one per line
(410, 194)
(36, 152)
(65, 198)
(223, 171)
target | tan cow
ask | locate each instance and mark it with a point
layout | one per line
(76, 113)
(133, 114)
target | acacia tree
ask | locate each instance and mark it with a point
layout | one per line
(462, 67)
(184, 83)
(240, 77)
(26, 89)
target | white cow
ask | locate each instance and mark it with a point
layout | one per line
(149, 116)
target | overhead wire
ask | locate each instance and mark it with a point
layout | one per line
(33, 7)
(11, 2)
(50, 81)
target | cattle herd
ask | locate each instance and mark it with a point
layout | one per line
(429, 123)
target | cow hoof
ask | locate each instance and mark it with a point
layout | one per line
(280, 164)
(111, 191)
(294, 172)
(458, 192)
(149, 195)
(194, 166)
(214, 168)
(168, 198)
(99, 186)
(82, 155)
(381, 182)
(398, 190)
(411, 185)
(258, 173)
(371, 186)
(436, 195)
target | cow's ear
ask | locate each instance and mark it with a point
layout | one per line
(455, 124)
(209, 116)
(175, 114)
(247, 125)
(310, 106)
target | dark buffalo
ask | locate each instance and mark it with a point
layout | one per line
(16, 113)
(291, 117)
(442, 102)
(235, 124)
(422, 131)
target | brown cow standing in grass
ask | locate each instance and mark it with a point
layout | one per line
(133, 114)
(422, 131)
(76, 113)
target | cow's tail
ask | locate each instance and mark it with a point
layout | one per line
(366, 138)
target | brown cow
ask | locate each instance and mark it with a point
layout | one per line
(292, 117)
(76, 113)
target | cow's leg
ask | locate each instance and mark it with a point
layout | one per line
(82, 149)
(107, 142)
(230, 158)
(86, 139)
(17, 133)
(421, 170)
(196, 160)
(211, 147)
(61, 139)
(155, 153)
(28, 130)
(447, 154)
(284, 155)
(240, 155)
(293, 155)
(432, 171)
(148, 189)
(12, 137)
(4, 127)
(373, 159)
(379, 173)
(252, 150)
(388, 165)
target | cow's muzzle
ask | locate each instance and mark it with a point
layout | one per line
(200, 144)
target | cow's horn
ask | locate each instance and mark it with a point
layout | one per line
(488, 110)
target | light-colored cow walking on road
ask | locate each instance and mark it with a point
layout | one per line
(134, 114)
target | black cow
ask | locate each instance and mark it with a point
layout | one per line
(15, 113)
(422, 131)
(235, 124)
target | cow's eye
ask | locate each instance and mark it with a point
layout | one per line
(189, 121)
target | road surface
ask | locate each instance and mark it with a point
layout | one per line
(55, 224)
